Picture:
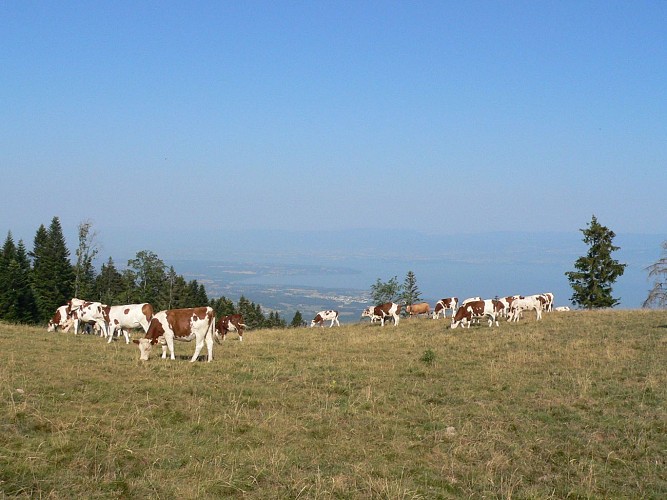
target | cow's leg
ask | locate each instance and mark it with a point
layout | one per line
(127, 336)
(198, 347)
(76, 327)
(170, 345)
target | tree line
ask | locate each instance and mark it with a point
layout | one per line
(34, 283)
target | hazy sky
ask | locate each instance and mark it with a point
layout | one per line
(438, 116)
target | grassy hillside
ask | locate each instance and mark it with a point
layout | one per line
(572, 406)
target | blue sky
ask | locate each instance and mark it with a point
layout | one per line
(439, 117)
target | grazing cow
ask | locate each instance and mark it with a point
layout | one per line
(90, 312)
(443, 304)
(421, 308)
(382, 312)
(196, 323)
(128, 316)
(323, 316)
(230, 323)
(532, 302)
(477, 309)
(61, 319)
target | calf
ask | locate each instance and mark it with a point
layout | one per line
(382, 312)
(421, 308)
(443, 304)
(323, 316)
(195, 323)
(128, 316)
(477, 309)
(230, 323)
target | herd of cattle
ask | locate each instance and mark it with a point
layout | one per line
(199, 323)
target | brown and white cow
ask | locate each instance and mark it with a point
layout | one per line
(323, 316)
(196, 323)
(229, 323)
(382, 312)
(128, 316)
(443, 304)
(89, 312)
(61, 319)
(421, 308)
(477, 309)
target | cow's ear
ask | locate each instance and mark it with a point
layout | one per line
(135, 341)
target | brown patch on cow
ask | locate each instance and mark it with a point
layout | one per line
(126, 311)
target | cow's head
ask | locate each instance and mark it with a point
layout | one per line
(51, 327)
(145, 347)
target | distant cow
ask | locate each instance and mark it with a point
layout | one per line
(443, 304)
(128, 316)
(477, 309)
(532, 302)
(390, 309)
(562, 308)
(323, 316)
(421, 308)
(185, 325)
(229, 323)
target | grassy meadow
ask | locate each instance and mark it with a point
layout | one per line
(574, 406)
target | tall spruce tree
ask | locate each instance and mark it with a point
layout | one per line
(20, 298)
(52, 275)
(596, 271)
(109, 287)
(297, 320)
(7, 255)
(410, 294)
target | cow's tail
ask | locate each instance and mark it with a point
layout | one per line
(211, 330)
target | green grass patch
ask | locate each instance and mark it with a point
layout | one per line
(572, 406)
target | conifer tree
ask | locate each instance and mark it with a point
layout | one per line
(19, 298)
(84, 271)
(52, 275)
(108, 287)
(222, 306)
(297, 320)
(7, 255)
(596, 271)
(411, 293)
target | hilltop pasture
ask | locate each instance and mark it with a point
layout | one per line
(572, 406)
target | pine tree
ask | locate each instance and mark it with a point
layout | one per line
(7, 255)
(20, 301)
(411, 293)
(222, 306)
(108, 286)
(297, 320)
(52, 275)
(596, 271)
(657, 296)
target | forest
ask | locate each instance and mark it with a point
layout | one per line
(34, 283)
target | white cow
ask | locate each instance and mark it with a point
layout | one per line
(323, 316)
(530, 303)
(128, 316)
(90, 312)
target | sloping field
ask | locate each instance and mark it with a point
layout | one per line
(572, 406)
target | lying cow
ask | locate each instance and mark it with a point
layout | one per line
(122, 318)
(382, 312)
(421, 308)
(185, 325)
(443, 304)
(476, 309)
(229, 323)
(323, 316)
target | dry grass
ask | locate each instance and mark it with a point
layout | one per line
(573, 406)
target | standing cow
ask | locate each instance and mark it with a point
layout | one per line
(196, 323)
(443, 304)
(229, 323)
(128, 316)
(95, 313)
(421, 308)
(477, 309)
(323, 316)
(389, 309)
